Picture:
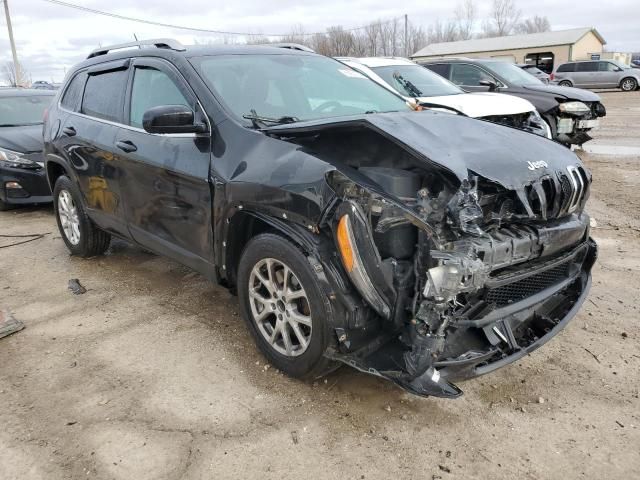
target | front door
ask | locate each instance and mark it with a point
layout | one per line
(166, 186)
(469, 76)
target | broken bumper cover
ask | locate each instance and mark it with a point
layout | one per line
(502, 336)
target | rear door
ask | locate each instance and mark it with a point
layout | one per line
(93, 109)
(586, 74)
(166, 185)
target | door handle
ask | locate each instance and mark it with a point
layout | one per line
(126, 146)
(69, 131)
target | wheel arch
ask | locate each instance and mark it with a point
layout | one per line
(55, 169)
(245, 225)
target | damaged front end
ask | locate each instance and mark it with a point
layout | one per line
(463, 265)
(462, 281)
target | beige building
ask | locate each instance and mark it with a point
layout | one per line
(545, 50)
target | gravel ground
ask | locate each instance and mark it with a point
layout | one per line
(151, 374)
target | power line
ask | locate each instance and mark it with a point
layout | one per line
(195, 29)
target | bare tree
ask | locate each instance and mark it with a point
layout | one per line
(417, 39)
(440, 31)
(534, 25)
(503, 19)
(340, 41)
(16, 77)
(465, 18)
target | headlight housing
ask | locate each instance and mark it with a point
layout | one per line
(15, 160)
(574, 108)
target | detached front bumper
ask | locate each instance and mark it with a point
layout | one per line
(531, 307)
(21, 186)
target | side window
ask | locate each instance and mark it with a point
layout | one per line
(608, 67)
(587, 67)
(462, 74)
(441, 69)
(103, 95)
(567, 67)
(152, 88)
(73, 93)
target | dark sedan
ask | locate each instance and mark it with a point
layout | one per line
(22, 176)
(570, 112)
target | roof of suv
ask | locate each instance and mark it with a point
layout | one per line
(144, 48)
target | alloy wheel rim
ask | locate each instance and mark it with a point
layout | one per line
(627, 84)
(280, 307)
(68, 215)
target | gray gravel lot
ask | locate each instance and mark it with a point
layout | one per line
(151, 373)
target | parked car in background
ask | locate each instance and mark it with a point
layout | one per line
(43, 85)
(417, 246)
(535, 71)
(570, 112)
(22, 176)
(597, 74)
(427, 88)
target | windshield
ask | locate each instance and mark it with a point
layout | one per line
(512, 74)
(293, 87)
(22, 110)
(427, 83)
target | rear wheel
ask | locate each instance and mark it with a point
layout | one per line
(284, 307)
(628, 84)
(565, 83)
(81, 236)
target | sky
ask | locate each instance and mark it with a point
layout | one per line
(51, 38)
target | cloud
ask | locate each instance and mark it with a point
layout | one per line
(51, 38)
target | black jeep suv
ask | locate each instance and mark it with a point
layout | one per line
(417, 246)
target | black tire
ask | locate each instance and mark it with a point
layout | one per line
(628, 84)
(565, 83)
(92, 241)
(311, 363)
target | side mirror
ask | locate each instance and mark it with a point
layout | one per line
(488, 83)
(171, 119)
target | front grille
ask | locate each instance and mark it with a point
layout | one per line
(521, 289)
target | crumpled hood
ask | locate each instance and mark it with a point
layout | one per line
(459, 144)
(569, 93)
(483, 104)
(25, 139)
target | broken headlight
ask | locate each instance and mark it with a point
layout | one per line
(574, 108)
(355, 254)
(15, 160)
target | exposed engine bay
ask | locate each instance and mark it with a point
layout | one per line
(458, 277)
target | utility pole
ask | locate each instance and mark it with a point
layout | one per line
(16, 65)
(406, 36)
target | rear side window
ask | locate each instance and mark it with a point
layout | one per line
(104, 94)
(567, 67)
(73, 93)
(152, 88)
(587, 67)
(441, 69)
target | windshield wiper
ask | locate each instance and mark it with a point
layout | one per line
(260, 121)
(20, 124)
(408, 86)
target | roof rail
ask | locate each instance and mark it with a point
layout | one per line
(291, 46)
(166, 43)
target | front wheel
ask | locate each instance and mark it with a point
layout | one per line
(565, 83)
(81, 236)
(628, 84)
(284, 306)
